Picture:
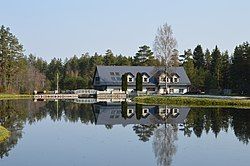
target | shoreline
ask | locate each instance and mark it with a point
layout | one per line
(4, 134)
(15, 96)
(193, 101)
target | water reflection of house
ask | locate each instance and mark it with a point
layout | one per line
(114, 114)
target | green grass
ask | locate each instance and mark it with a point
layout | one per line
(193, 101)
(15, 96)
(4, 134)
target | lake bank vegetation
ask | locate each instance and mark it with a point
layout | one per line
(193, 101)
(210, 71)
(15, 96)
(4, 134)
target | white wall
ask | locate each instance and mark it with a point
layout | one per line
(175, 90)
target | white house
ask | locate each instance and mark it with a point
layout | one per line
(109, 78)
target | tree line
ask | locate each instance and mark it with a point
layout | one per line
(215, 71)
(209, 71)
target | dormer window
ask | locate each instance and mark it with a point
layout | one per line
(162, 79)
(130, 77)
(145, 79)
(97, 79)
(175, 78)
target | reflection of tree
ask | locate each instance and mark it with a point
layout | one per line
(13, 119)
(70, 112)
(164, 144)
(15, 113)
(218, 119)
(109, 126)
(241, 125)
(144, 132)
(138, 111)
(124, 106)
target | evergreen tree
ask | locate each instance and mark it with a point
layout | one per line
(139, 81)
(144, 57)
(55, 67)
(11, 53)
(240, 72)
(198, 56)
(109, 58)
(208, 59)
(216, 68)
(188, 65)
(225, 82)
(144, 132)
(124, 82)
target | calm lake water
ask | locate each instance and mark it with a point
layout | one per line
(117, 134)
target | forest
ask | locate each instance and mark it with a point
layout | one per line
(211, 71)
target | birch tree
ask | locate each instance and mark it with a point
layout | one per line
(165, 48)
(164, 144)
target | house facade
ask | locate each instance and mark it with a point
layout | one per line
(113, 114)
(109, 78)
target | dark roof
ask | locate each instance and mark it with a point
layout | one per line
(105, 77)
(103, 115)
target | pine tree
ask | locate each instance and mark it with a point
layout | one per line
(198, 56)
(240, 72)
(216, 68)
(208, 59)
(109, 58)
(11, 53)
(225, 82)
(188, 65)
(144, 57)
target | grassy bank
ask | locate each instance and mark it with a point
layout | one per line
(14, 96)
(4, 134)
(193, 101)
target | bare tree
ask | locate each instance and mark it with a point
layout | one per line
(165, 48)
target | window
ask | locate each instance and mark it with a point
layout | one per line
(117, 73)
(145, 80)
(130, 111)
(130, 79)
(145, 111)
(171, 90)
(112, 73)
(113, 79)
(163, 79)
(97, 79)
(150, 89)
(181, 90)
(175, 80)
(118, 78)
(167, 79)
(175, 110)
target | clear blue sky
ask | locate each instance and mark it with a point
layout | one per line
(60, 28)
